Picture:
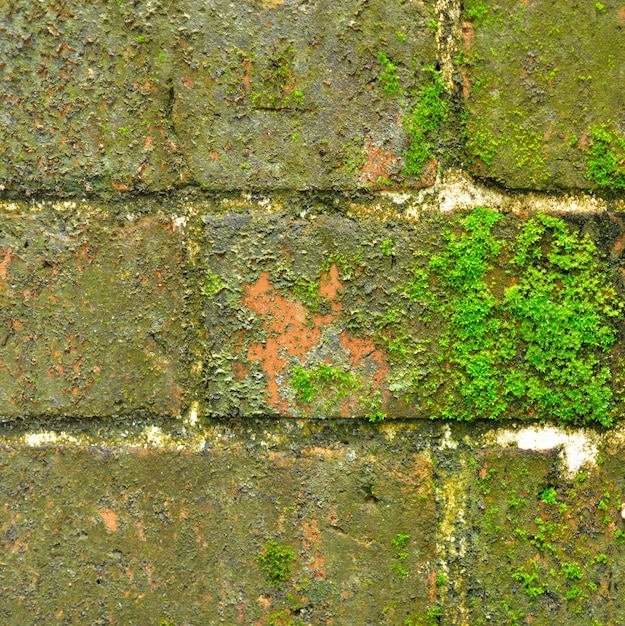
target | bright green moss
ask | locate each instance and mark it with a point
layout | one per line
(549, 496)
(423, 120)
(389, 79)
(275, 561)
(309, 383)
(475, 10)
(212, 285)
(605, 159)
(537, 346)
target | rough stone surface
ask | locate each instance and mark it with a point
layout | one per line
(86, 98)
(537, 78)
(92, 314)
(209, 375)
(111, 96)
(159, 536)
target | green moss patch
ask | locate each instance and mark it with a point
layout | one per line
(556, 549)
(605, 159)
(528, 323)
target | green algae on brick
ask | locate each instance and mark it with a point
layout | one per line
(136, 535)
(557, 558)
(538, 77)
(93, 310)
(605, 159)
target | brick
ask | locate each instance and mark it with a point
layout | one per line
(91, 312)
(539, 79)
(147, 535)
(280, 95)
(110, 98)
(315, 313)
(554, 540)
(86, 99)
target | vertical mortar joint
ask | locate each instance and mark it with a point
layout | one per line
(448, 34)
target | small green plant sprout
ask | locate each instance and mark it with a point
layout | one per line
(572, 571)
(600, 7)
(441, 579)
(275, 560)
(376, 416)
(475, 10)
(386, 247)
(389, 79)
(401, 571)
(212, 285)
(549, 496)
(528, 581)
(400, 36)
(400, 541)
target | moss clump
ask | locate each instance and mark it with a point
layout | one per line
(537, 346)
(212, 285)
(605, 159)
(309, 383)
(275, 87)
(423, 120)
(389, 79)
(275, 560)
(475, 10)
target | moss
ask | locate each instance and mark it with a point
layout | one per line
(423, 121)
(475, 10)
(605, 159)
(549, 496)
(537, 347)
(526, 68)
(388, 78)
(275, 560)
(309, 383)
(276, 86)
(543, 568)
(386, 247)
(211, 285)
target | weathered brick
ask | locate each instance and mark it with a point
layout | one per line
(86, 98)
(144, 536)
(107, 96)
(343, 315)
(91, 312)
(555, 541)
(287, 95)
(539, 79)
